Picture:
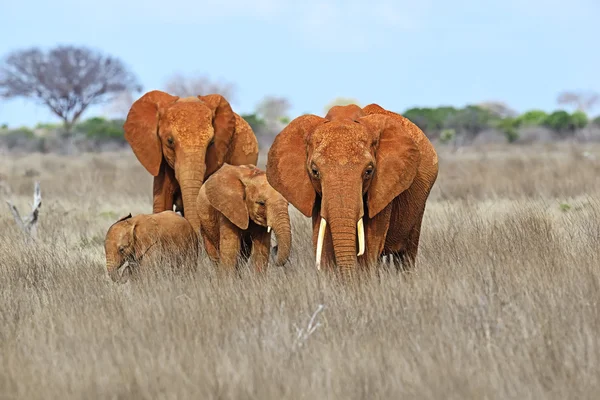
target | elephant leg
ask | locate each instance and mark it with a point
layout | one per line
(261, 249)
(164, 187)
(376, 231)
(211, 250)
(404, 254)
(229, 244)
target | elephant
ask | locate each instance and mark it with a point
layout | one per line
(364, 176)
(182, 141)
(136, 242)
(238, 208)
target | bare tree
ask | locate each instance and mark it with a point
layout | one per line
(273, 109)
(184, 86)
(120, 105)
(498, 108)
(583, 101)
(66, 79)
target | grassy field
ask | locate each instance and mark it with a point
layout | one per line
(504, 302)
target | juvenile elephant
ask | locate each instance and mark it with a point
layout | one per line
(364, 176)
(143, 239)
(182, 141)
(238, 208)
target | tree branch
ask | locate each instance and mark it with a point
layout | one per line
(29, 225)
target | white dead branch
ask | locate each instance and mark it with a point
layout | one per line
(304, 333)
(29, 224)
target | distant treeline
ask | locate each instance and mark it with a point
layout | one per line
(443, 125)
(447, 123)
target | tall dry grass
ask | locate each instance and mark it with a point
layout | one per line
(504, 301)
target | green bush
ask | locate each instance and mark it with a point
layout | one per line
(564, 123)
(471, 120)
(509, 127)
(579, 119)
(531, 118)
(22, 138)
(430, 120)
(255, 122)
(101, 128)
(447, 135)
(22, 132)
(48, 126)
(596, 121)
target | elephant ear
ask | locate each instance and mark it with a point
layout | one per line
(141, 128)
(226, 192)
(123, 218)
(286, 163)
(144, 235)
(397, 157)
(224, 126)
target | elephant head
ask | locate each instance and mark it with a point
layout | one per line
(338, 168)
(242, 193)
(126, 241)
(185, 138)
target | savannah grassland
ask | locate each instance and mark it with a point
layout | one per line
(504, 302)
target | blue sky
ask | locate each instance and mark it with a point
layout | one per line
(399, 53)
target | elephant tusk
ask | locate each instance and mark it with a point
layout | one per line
(361, 237)
(122, 267)
(268, 229)
(320, 242)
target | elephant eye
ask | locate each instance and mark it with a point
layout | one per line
(314, 171)
(121, 249)
(369, 172)
(212, 141)
(170, 140)
(261, 202)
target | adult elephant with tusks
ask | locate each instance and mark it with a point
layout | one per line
(363, 175)
(182, 141)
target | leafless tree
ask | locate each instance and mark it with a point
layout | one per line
(66, 79)
(498, 108)
(181, 85)
(120, 105)
(273, 109)
(273, 112)
(583, 101)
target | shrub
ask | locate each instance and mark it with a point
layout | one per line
(471, 120)
(532, 118)
(579, 120)
(447, 135)
(101, 128)
(559, 121)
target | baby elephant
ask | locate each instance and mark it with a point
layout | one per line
(138, 241)
(238, 208)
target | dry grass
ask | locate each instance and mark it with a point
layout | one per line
(504, 302)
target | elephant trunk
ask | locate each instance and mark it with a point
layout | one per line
(190, 175)
(343, 216)
(343, 234)
(112, 266)
(279, 219)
